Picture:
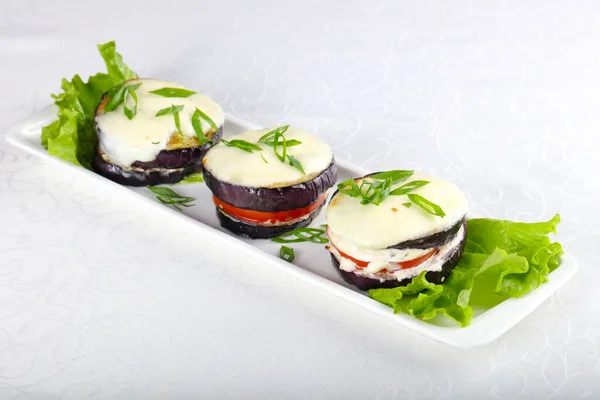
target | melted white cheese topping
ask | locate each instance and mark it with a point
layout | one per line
(233, 165)
(369, 227)
(125, 141)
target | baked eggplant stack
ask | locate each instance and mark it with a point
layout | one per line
(269, 182)
(152, 132)
(386, 228)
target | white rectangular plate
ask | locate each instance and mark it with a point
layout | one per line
(313, 262)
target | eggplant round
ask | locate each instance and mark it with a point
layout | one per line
(140, 176)
(272, 199)
(437, 277)
(252, 231)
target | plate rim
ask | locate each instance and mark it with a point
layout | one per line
(475, 335)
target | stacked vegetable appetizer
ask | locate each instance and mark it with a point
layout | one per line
(270, 181)
(384, 230)
(152, 132)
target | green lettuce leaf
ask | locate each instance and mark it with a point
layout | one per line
(71, 136)
(502, 259)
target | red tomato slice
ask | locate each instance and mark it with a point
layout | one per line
(403, 265)
(258, 217)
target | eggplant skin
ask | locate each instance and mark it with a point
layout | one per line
(437, 277)
(252, 231)
(272, 199)
(140, 176)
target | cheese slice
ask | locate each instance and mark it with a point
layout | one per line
(125, 141)
(238, 167)
(370, 227)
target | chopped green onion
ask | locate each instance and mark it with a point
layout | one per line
(177, 122)
(395, 175)
(313, 235)
(172, 110)
(170, 197)
(197, 125)
(350, 188)
(408, 187)
(207, 119)
(173, 92)
(268, 137)
(426, 205)
(116, 97)
(374, 189)
(131, 112)
(287, 254)
(169, 110)
(295, 163)
(288, 143)
(276, 144)
(242, 145)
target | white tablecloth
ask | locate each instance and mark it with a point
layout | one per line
(102, 300)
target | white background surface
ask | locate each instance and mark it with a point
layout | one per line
(101, 300)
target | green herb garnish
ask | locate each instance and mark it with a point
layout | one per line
(372, 192)
(376, 191)
(313, 235)
(296, 164)
(426, 205)
(350, 188)
(396, 175)
(263, 158)
(407, 205)
(170, 197)
(242, 145)
(287, 254)
(172, 110)
(205, 117)
(130, 91)
(173, 92)
(277, 140)
(268, 138)
(276, 143)
(197, 125)
(408, 187)
(288, 143)
(116, 95)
